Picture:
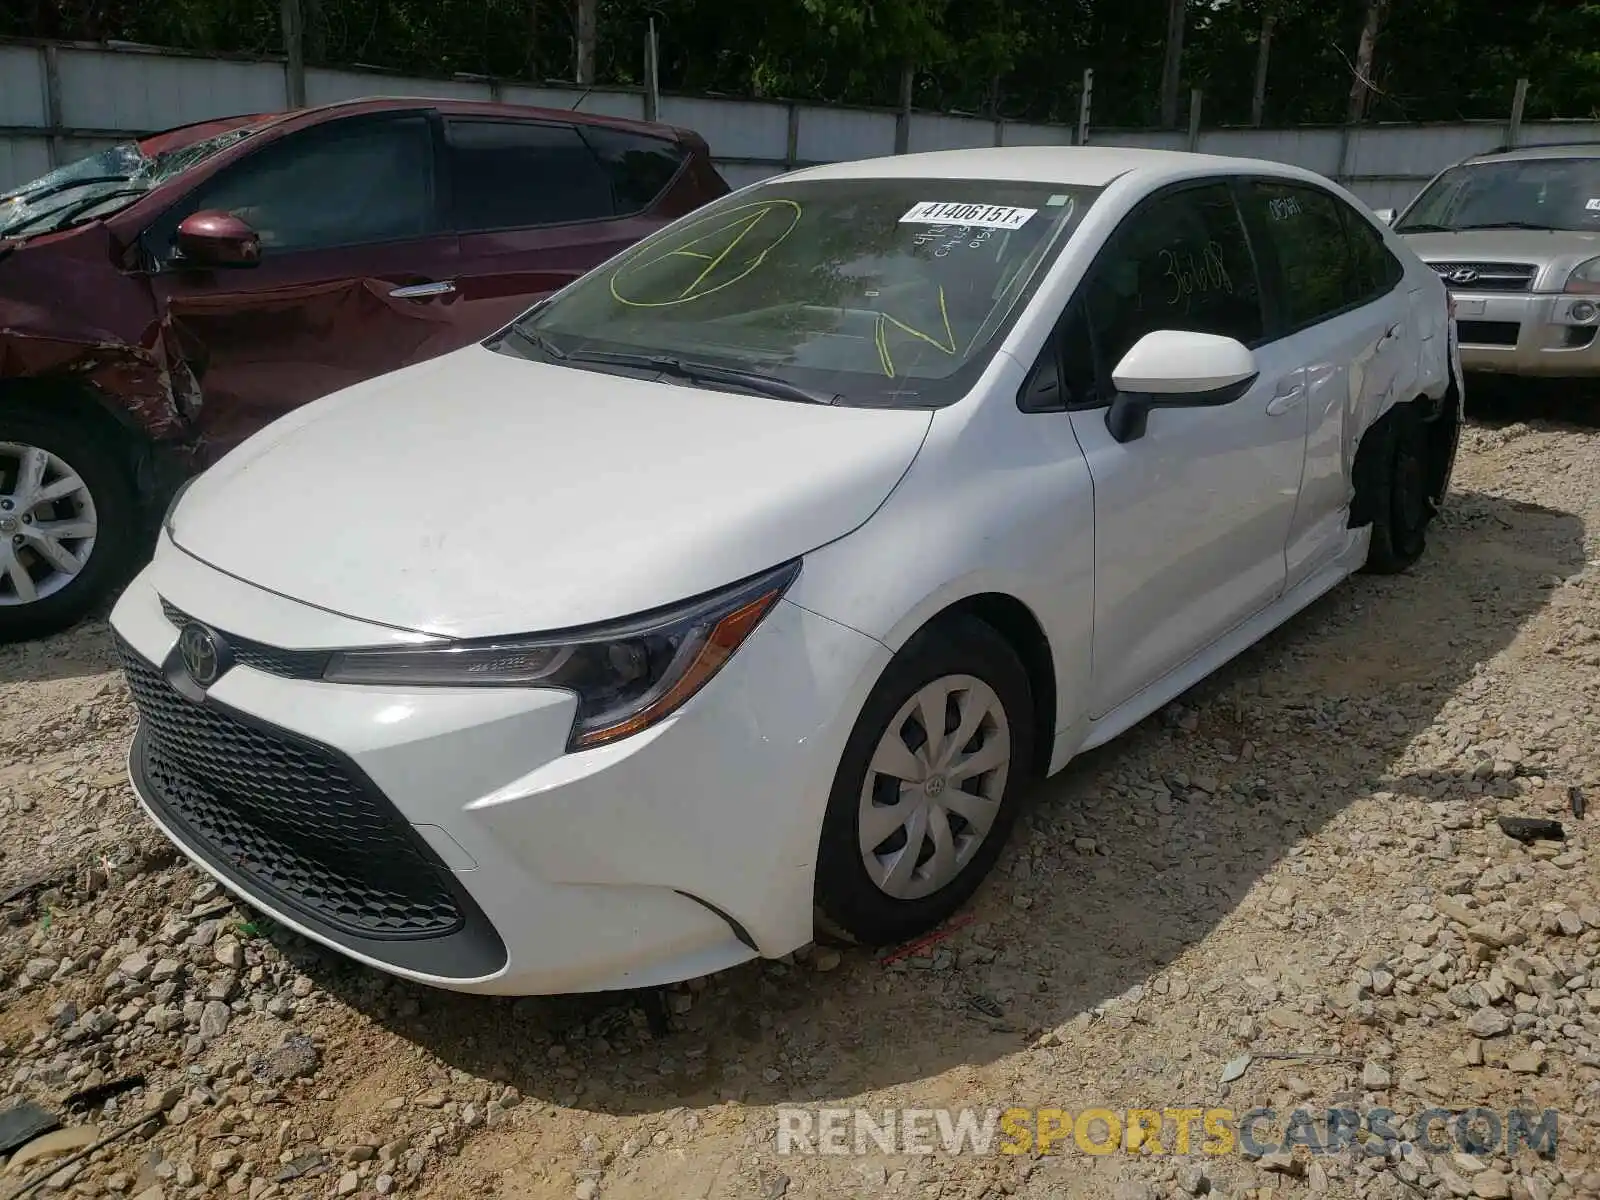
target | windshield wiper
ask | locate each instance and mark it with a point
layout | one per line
(698, 372)
(1510, 225)
(65, 215)
(1423, 227)
(536, 341)
(755, 381)
(65, 185)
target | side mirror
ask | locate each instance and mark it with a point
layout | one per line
(1175, 368)
(1386, 215)
(217, 239)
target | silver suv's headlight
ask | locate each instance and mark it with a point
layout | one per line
(627, 675)
(1585, 279)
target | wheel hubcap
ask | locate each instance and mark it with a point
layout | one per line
(934, 786)
(47, 524)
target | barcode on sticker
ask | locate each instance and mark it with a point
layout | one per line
(979, 216)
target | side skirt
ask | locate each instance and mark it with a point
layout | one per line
(1217, 654)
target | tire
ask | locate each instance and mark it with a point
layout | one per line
(976, 669)
(107, 497)
(1392, 491)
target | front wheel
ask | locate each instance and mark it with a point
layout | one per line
(928, 786)
(68, 522)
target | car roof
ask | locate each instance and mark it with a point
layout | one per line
(183, 135)
(1085, 166)
(1526, 153)
(186, 135)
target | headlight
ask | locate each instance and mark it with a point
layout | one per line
(172, 505)
(1585, 278)
(627, 676)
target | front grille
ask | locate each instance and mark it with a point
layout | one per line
(288, 818)
(1488, 276)
(274, 660)
(1488, 333)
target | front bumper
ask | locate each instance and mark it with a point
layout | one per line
(677, 852)
(1528, 333)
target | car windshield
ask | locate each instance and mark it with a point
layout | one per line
(1530, 193)
(872, 292)
(99, 184)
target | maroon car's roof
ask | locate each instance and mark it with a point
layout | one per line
(184, 135)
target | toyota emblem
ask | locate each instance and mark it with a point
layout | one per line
(202, 654)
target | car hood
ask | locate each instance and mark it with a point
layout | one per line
(480, 494)
(1554, 252)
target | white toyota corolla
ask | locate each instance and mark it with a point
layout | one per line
(741, 589)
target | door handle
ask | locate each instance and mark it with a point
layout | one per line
(420, 291)
(1394, 332)
(1284, 401)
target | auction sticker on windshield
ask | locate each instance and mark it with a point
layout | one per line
(981, 216)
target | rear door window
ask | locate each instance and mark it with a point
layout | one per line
(640, 167)
(1380, 272)
(1321, 273)
(519, 174)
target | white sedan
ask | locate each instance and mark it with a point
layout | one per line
(740, 590)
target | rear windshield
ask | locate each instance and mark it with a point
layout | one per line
(885, 292)
(1536, 193)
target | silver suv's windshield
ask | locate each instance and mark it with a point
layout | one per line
(881, 292)
(100, 184)
(1528, 193)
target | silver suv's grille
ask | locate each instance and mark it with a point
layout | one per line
(1487, 276)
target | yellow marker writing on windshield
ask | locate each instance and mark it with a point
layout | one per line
(881, 336)
(776, 219)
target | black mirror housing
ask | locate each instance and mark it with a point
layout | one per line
(1128, 418)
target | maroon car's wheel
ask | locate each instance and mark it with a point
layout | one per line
(68, 522)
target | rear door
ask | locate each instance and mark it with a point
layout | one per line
(538, 203)
(1343, 313)
(354, 278)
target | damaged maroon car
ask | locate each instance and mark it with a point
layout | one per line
(162, 300)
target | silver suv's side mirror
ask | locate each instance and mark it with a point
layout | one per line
(1386, 215)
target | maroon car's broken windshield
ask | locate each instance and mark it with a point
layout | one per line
(101, 183)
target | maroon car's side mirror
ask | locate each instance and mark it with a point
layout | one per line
(217, 239)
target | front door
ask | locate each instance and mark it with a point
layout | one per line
(356, 276)
(1191, 518)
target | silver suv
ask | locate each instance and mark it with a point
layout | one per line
(1516, 236)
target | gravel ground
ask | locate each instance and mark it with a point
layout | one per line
(1298, 863)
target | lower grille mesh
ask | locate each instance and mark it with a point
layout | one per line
(295, 821)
